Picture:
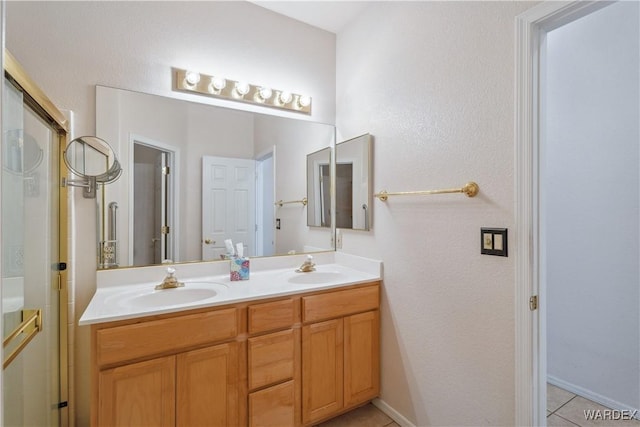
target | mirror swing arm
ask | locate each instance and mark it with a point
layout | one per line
(88, 184)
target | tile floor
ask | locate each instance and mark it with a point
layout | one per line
(364, 416)
(565, 409)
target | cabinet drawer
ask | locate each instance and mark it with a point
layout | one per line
(274, 406)
(271, 358)
(138, 340)
(270, 316)
(339, 303)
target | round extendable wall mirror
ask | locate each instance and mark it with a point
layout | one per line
(93, 160)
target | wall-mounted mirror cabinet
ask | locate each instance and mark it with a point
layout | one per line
(196, 174)
(353, 183)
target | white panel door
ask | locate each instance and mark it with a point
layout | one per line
(228, 204)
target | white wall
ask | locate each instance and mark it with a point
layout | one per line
(592, 206)
(69, 47)
(433, 83)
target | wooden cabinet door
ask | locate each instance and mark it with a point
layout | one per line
(322, 363)
(207, 386)
(139, 394)
(361, 357)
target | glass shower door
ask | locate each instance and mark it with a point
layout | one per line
(30, 297)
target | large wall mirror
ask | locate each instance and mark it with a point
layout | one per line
(195, 175)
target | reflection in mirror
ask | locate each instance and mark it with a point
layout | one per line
(223, 170)
(21, 152)
(319, 188)
(353, 183)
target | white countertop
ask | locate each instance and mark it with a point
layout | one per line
(268, 279)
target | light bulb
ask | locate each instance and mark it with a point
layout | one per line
(285, 97)
(265, 93)
(304, 101)
(218, 83)
(242, 88)
(192, 78)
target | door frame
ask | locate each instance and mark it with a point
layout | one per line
(174, 196)
(530, 324)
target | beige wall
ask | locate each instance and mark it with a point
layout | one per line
(433, 82)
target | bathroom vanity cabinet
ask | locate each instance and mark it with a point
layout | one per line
(340, 351)
(167, 371)
(293, 360)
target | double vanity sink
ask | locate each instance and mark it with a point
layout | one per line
(130, 293)
(216, 290)
(283, 348)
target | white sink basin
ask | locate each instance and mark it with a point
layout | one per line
(150, 297)
(315, 277)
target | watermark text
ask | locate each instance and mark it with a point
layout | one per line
(610, 414)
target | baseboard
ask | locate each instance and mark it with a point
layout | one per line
(392, 413)
(591, 395)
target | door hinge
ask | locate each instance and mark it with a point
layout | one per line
(533, 303)
(164, 229)
(166, 170)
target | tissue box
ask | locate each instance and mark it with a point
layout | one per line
(239, 269)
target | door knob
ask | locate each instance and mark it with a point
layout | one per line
(209, 242)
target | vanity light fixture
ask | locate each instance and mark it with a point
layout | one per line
(242, 88)
(219, 87)
(285, 97)
(191, 78)
(264, 94)
(303, 101)
(217, 84)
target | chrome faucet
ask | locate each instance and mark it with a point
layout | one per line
(170, 282)
(307, 266)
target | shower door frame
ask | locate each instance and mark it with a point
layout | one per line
(42, 106)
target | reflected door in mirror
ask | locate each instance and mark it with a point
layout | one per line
(151, 232)
(344, 195)
(228, 205)
(319, 188)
